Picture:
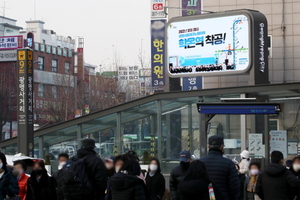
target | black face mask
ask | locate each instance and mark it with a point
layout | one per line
(38, 172)
(185, 165)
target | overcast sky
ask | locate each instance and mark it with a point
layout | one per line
(105, 24)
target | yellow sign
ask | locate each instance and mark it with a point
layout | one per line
(21, 55)
(29, 55)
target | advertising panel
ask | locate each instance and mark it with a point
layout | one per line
(256, 146)
(25, 101)
(158, 8)
(8, 55)
(217, 44)
(278, 142)
(158, 52)
(11, 42)
(191, 7)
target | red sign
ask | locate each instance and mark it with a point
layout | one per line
(158, 6)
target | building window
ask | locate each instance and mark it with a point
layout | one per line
(54, 66)
(41, 89)
(41, 63)
(54, 92)
(67, 67)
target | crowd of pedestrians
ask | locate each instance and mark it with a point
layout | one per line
(213, 177)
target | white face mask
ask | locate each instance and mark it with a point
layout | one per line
(296, 167)
(109, 166)
(153, 167)
(254, 172)
(61, 165)
(117, 169)
(1, 165)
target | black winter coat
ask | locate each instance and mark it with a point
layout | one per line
(156, 186)
(276, 183)
(8, 184)
(44, 189)
(96, 172)
(177, 175)
(126, 187)
(297, 174)
(223, 174)
(197, 190)
(59, 185)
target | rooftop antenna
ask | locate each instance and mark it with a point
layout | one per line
(4, 8)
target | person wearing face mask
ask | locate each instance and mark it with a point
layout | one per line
(62, 160)
(9, 187)
(109, 164)
(295, 169)
(40, 186)
(155, 181)
(21, 167)
(250, 182)
(178, 173)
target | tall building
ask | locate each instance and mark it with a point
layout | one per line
(283, 29)
(54, 80)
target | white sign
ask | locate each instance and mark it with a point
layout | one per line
(293, 147)
(278, 142)
(8, 55)
(158, 8)
(256, 146)
(209, 46)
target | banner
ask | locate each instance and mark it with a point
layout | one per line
(256, 146)
(158, 52)
(11, 42)
(158, 8)
(191, 7)
(25, 102)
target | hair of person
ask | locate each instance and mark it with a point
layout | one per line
(257, 164)
(296, 158)
(158, 165)
(132, 155)
(276, 157)
(132, 167)
(63, 155)
(40, 163)
(120, 157)
(3, 159)
(196, 171)
(22, 163)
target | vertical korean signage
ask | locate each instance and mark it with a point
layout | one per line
(158, 52)
(25, 101)
(191, 7)
(278, 142)
(158, 8)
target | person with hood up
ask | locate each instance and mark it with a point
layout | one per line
(155, 181)
(126, 184)
(276, 182)
(94, 168)
(9, 187)
(21, 167)
(196, 183)
(221, 171)
(178, 173)
(40, 186)
(251, 181)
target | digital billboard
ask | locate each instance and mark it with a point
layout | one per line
(212, 44)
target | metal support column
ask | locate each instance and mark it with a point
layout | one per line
(79, 136)
(41, 148)
(159, 128)
(267, 140)
(190, 128)
(118, 137)
(243, 129)
(203, 135)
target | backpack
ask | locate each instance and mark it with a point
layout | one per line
(75, 182)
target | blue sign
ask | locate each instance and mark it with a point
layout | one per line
(158, 52)
(239, 109)
(192, 83)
